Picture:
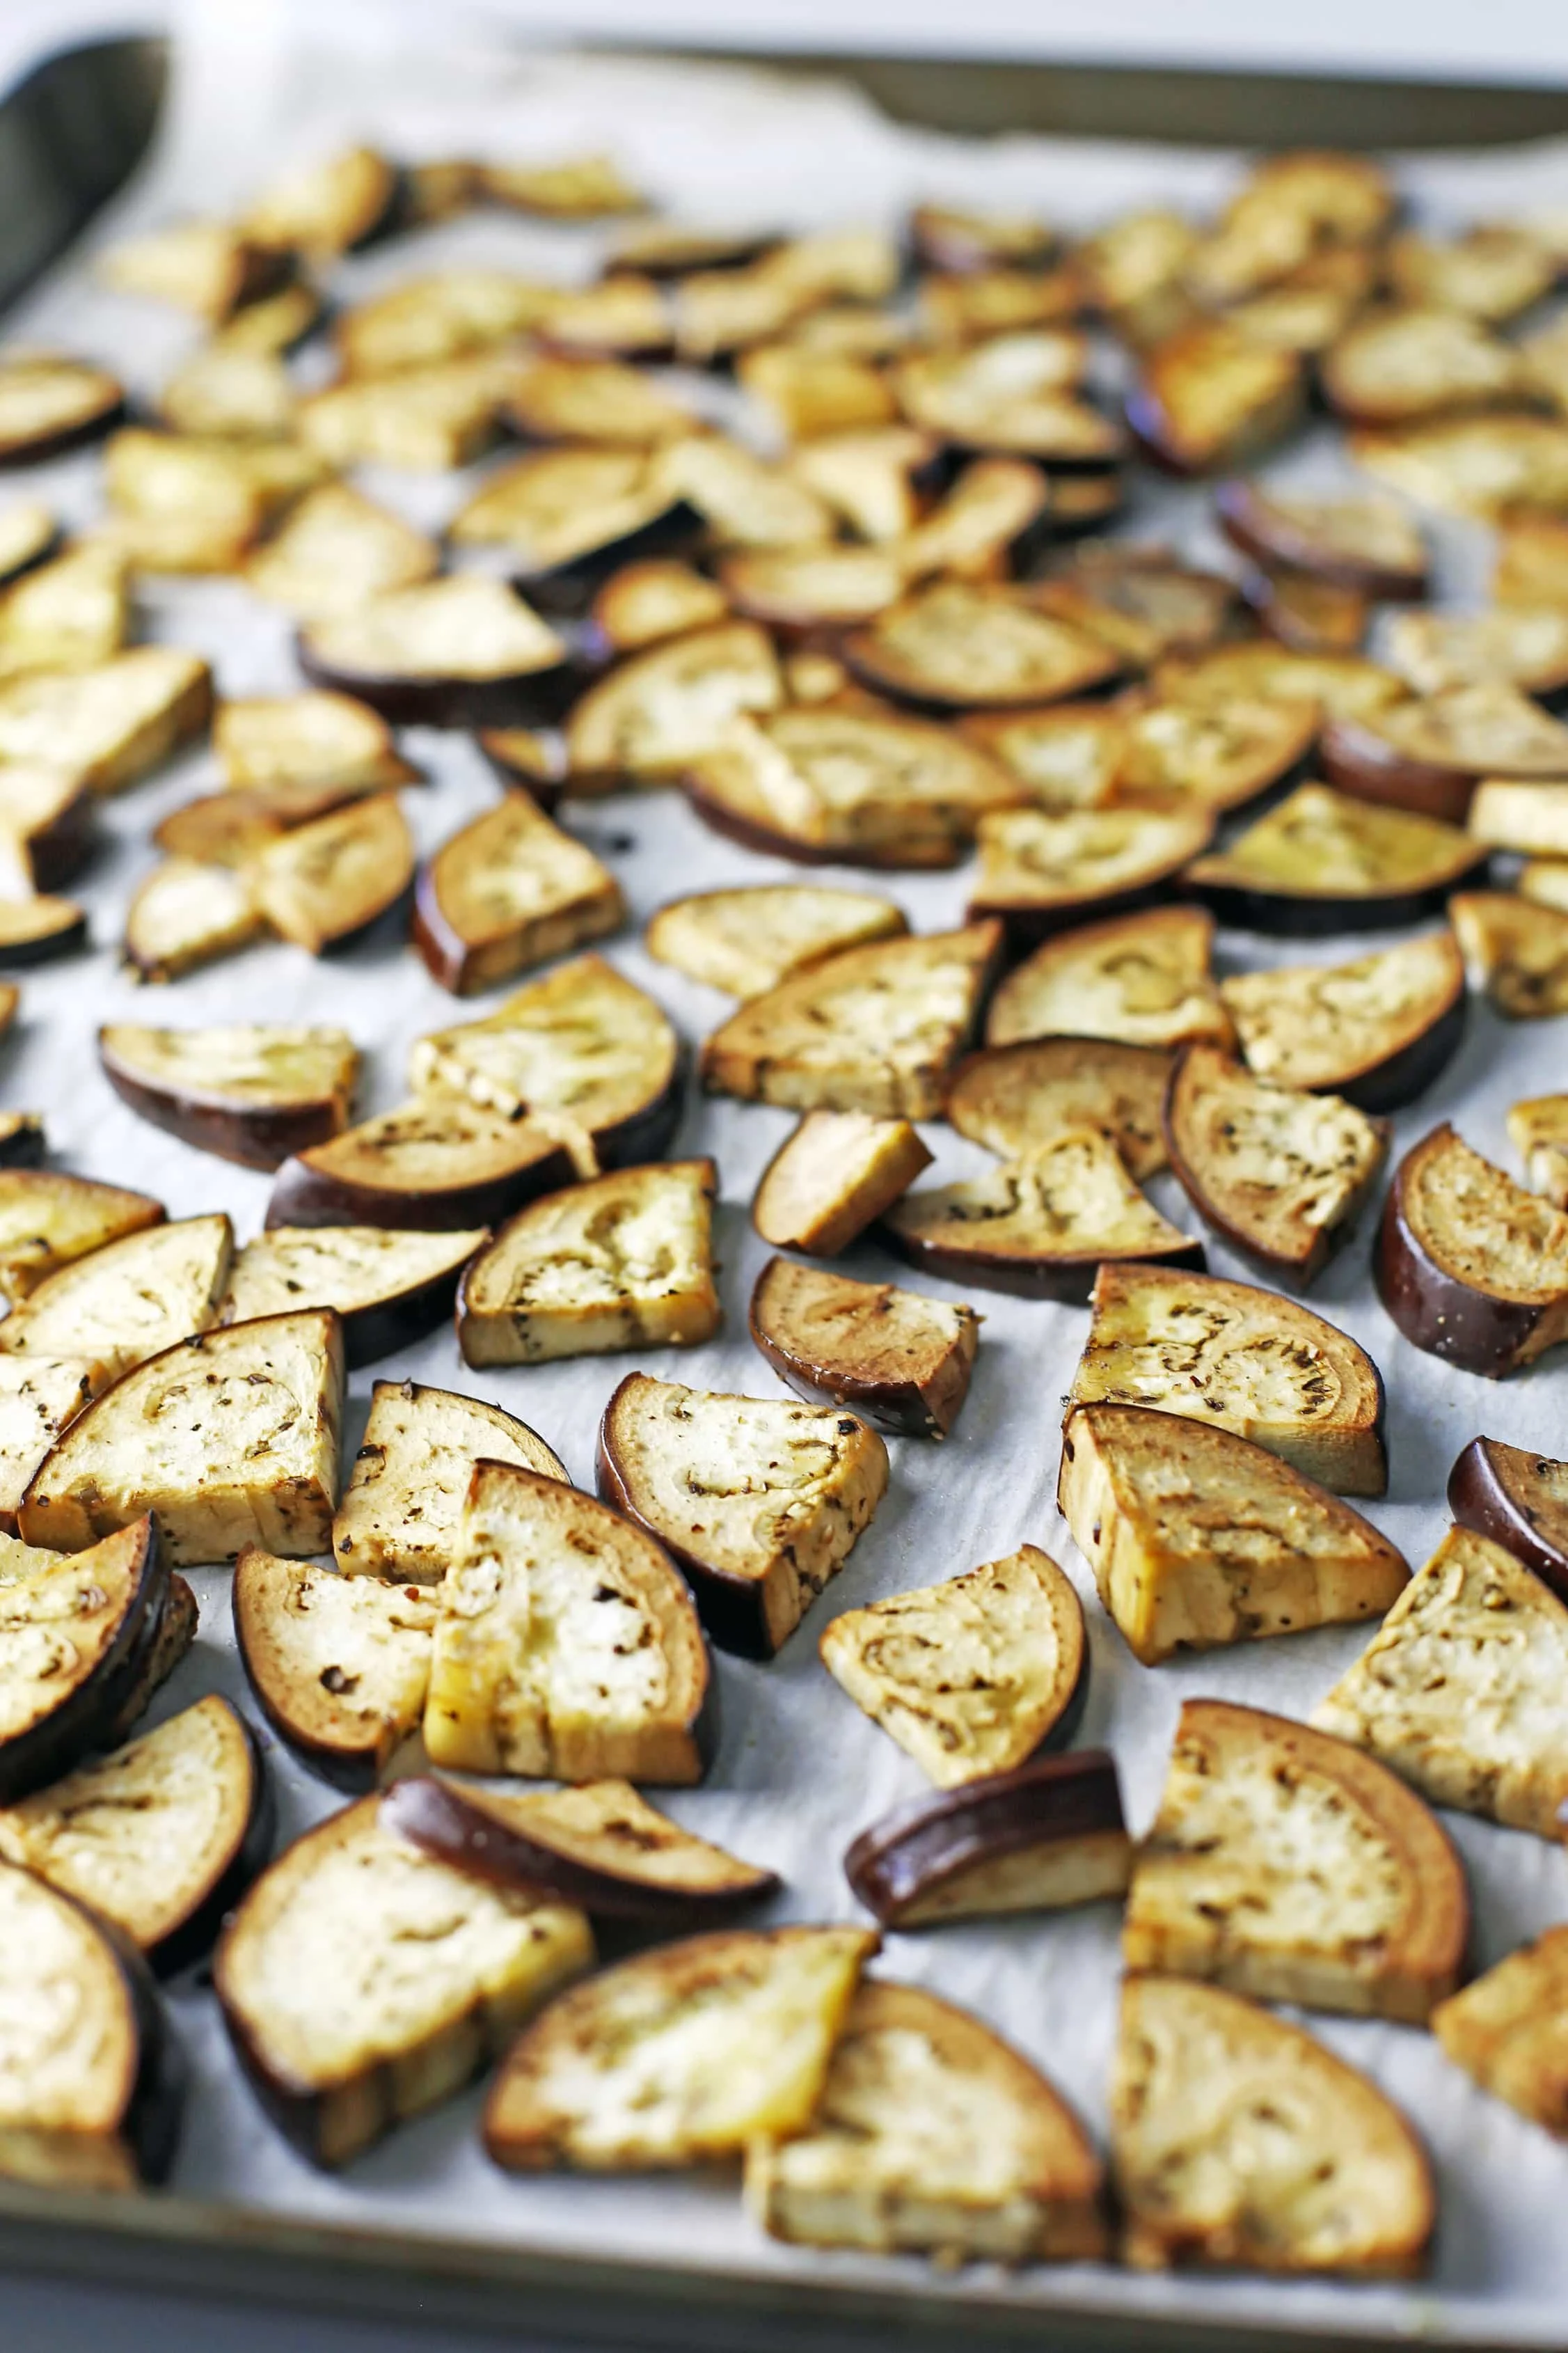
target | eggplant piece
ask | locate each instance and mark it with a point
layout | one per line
(567, 1647)
(180, 504)
(1346, 686)
(109, 726)
(1307, 615)
(526, 757)
(21, 1139)
(1545, 881)
(600, 1846)
(29, 535)
(758, 1503)
(569, 518)
(340, 1664)
(423, 321)
(323, 741)
(323, 885)
(993, 522)
(336, 550)
(612, 1262)
(581, 1052)
(1141, 600)
(1038, 1226)
(1472, 1267)
(984, 305)
(774, 2003)
(826, 784)
(1291, 207)
(185, 914)
(229, 396)
(746, 941)
(1378, 1030)
(1142, 979)
(872, 479)
(1214, 1892)
(1537, 1129)
(1321, 861)
(72, 613)
(325, 209)
(876, 1028)
(1216, 755)
(808, 392)
(95, 2093)
(902, 1360)
(1186, 2047)
(656, 715)
(716, 313)
(660, 247)
(625, 317)
(1517, 1499)
(1042, 873)
(1200, 1538)
(389, 1288)
(1011, 396)
(33, 931)
(1531, 563)
(833, 1177)
(948, 237)
(804, 592)
(1480, 466)
(265, 1471)
(645, 603)
(274, 325)
(577, 188)
(1065, 757)
(402, 1511)
(1530, 815)
(1015, 1099)
(129, 1299)
(48, 1220)
(50, 405)
(584, 401)
(53, 819)
(1502, 2030)
(1397, 366)
(1475, 1648)
(1210, 396)
(1234, 1358)
(1519, 646)
(971, 1677)
(160, 1838)
(1515, 952)
(743, 500)
(1493, 271)
(1366, 542)
(457, 652)
(1280, 1174)
(1048, 1836)
(508, 891)
(955, 646)
(431, 1166)
(337, 2078)
(60, 1698)
(253, 1094)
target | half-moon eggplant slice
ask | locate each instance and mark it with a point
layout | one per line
(109, 725)
(1211, 395)
(339, 549)
(403, 1507)
(508, 890)
(873, 479)
(961, 646)
(1491, 271)
(1141, 600)
(1524, 646)
(318, 740)
(65, 1693)
(1515, 952)
(127, 1300)
(1529, 816)
(431, 1166)
(459, 652)
(1014, 1099)
(422, 418)
(253, 1092)
(1368, 542)
(48, 1220)
(1045, 1837)
(1377, 1030)
(804, 592)
(644, 603)
(981, 306)
(324, 884)
(807, 391)
(586, 400)
(50, 405)
(388, 1287)
(653, 716)
(1344, 685)
(1321, 861)
(569, 518)
(1397, 366)
(1282, 1175)
(1067, 755)
(229, 396)
(1041, 872)
(747, 940)
(900, 1359)
(1308, 614)
(743, 499)
(577, 188)
(328, 208)
(1480, 466)
(600, 1845)
(1430, 756)
(33, 930)
(993, 522)
(1470, 1266)
(1519, 1498)
(1144, 979)
(1013, 396)
(186, 914)
(340, 1664)
(828, 1180)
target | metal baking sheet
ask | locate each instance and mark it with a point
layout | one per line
(800, 1770)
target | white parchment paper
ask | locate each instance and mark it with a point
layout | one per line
(800, 1770)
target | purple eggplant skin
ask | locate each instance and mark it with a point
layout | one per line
(888, 859)
(1356, 760)
(65, 939)
(566, 590)
(1487, 1490)
(69, 437)
(49, 1747)
(198, 1932)
(306, 1195)
(546, 792)
(371, 1333)
(255, 1138)
(151, 2124)
(1285, 915)
(1236, 509)
(523, 699)
(25, 1149)
(1391, 1085)
(1475, 1330)
(1071, 1280)
(61, 848)
(1051, 1797)
(435, 1817)
(731, 1608)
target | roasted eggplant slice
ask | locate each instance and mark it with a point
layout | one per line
(430, 1166)
(1218, 755)
(1530, 817)
(52, 817)
(971, 1677)
(1545, 881)
(1282, 1175)
(531, 757)
(1517, 645)
(758, 1503)
(230, 1439)
(617, 1261)
(1518, 1500)
(421, 420)
(1041, 873)
(809, 392)
(34, 930)
(806, 592)
(1141, 600)
(1398, 366)
(583, 401)
(1344, 685)
(601, 1846)
(229, 396)
(160, 1837)
(424, 321)
(1493, 271)
(1038, 1226)
(1307, 615)
(1212, 395)
(877, 1029)
(48, 1220)
(325, 885)
(957, 646)
(338, 550)
(581, 1052)
(62, 1694)
(746, 941)
(902, 1360)
(108, 727)
(1377, 1030)
(661, 247)
(1532, 567)
(185, 914)
(1367, 543)
(1238, 1358)
(127, 1300)
(1013, 396)
(644, 603)
(508, 891)
(340, 1664)
(326, 209)
(577, 188)
(1472, 1267)
(1472, 465)
(403, 1507)
(252, 1093)
(396, 2040)
(946, 237)
(1067, 756)
(655, 714)
(271, 742)
(273, 325)
(69, 614)
(570, 518)
(1503, 2030)
(830, 1180)
(1515, 952)
(459, 652)
(388, 1287)
(994, 519)
(567, 1647)
(1537, 1129)
(1142, 979)
(742, 500)
(50, 405)
(870, 479)
(182, 504)
(984, 305)
(1015, 1099)
(1042, 1838)
(1321, 861)
(1199, 1538)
